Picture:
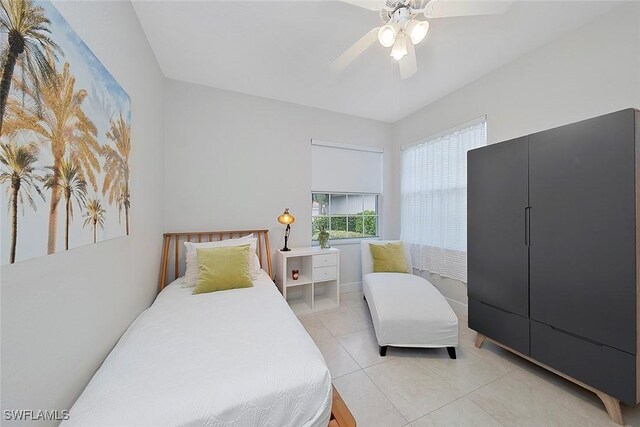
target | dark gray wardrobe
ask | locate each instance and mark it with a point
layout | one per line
(552, 249)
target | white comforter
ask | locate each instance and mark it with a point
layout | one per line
(237, 357)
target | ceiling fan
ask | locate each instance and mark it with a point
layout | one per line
(405, 23)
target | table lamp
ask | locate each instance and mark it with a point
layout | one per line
(286, 218)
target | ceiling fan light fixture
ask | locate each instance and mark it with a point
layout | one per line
(417, 30)
(399, 49)
(387, 35)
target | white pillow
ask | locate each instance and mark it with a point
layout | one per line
(191, 272)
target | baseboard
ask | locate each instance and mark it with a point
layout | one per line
(350, 287)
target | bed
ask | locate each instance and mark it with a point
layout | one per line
(237, 357)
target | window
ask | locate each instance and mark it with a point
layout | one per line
(434, 199)
(344, 216)
(346, 181)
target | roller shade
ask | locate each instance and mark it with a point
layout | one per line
(345, 168)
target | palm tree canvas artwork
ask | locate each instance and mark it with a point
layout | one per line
(65, 128)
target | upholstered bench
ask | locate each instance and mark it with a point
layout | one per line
(407, 310)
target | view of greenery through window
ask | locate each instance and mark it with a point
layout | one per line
(344, 216)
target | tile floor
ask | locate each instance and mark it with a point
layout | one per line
(423, 387)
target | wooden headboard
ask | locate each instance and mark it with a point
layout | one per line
(175, 255)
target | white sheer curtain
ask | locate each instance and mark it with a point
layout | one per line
(434, 199)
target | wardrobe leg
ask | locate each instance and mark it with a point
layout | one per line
(613, 407)
(383, 350)
(452, 352)
(479, 340)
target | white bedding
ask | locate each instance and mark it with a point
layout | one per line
(237, 357)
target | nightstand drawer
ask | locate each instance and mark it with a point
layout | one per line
(325, 273)
(325, 260)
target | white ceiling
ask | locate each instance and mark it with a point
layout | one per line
(282, 50)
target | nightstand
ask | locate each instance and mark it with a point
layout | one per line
(318, 285)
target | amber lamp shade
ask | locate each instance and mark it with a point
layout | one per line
(286, 218)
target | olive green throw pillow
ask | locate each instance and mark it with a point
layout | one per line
(389, 258)
(223, 268)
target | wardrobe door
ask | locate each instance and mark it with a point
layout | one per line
(582, 220)
(497, 252)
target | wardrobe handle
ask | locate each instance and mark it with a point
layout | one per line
(527, 226)
(562, 331)
(496, 307)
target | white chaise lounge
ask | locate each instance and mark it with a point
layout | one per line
(407, 310)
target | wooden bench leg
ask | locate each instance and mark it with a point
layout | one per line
(613, 407)
(479, 340)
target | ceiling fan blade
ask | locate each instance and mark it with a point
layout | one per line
(408, 64)
(355, 50)
(454, 8)
(374, 5)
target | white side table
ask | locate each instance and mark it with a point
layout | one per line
(318, 285)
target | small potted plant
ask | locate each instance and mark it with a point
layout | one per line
(323, 238)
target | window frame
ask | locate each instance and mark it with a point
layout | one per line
(347, 240)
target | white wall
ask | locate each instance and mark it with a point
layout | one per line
(235, 161)
(591, 71)
(62, 314)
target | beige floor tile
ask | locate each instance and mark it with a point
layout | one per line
(344, 320)
(631, 415)
(458, 308)
(461, 413)
(411, 386)
(425, 386)
(352, 298)
(467, 372)
(362, 309)
(420, 353)
(565, 392)
(337, 358)
(314, 326)
(366, 402)
(514, 403)
(492, 353)
(463, 328)
(363, 347)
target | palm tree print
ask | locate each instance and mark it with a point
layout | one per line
(19, 171)
(63, 125)
(94, 215)
(29, 43)
(116, 167)
(68, 179)
(64, 135)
